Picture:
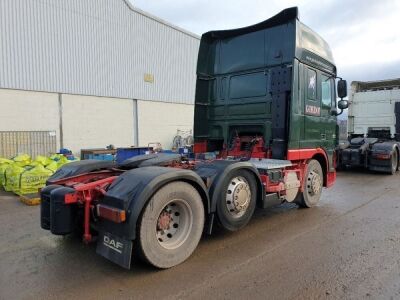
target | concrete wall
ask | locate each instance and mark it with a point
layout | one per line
(159, 121)
(95, 122)
(29, 111)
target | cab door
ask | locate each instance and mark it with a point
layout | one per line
(317, 92)
(311, 136)
(328, 122)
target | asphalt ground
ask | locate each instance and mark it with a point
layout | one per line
(348, 247)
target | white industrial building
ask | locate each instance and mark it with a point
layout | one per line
(85, 74)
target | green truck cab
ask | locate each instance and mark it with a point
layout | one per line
(275, 81)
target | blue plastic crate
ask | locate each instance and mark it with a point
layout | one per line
(186, 151)
(108, 157)
(168, 151)
(125, 153)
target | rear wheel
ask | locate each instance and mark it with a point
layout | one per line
(312, 185)
(237, 200)
(171, 225)
(394, 162)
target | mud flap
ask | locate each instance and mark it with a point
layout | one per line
(115, 249)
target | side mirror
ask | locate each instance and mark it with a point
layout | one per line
(334, 111)
(342, 89)
(343, 104)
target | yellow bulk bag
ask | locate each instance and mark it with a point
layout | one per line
(3, 168)
(43, 160)
(4, 163)
(33, 179)
(12, 176)
(22, 160)
(35, 163)
(48, 161)
(56, 157)
(53, 166)
(62, 161)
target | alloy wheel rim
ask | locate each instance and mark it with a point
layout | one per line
(238, 197)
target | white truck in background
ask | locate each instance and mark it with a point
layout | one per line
(373, 127)
(373, 107)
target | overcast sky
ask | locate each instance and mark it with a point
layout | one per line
(364, 35)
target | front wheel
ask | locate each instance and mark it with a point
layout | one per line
(171, 225)
(312, 185)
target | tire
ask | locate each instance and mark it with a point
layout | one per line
(312, 185)
(394, 162)
(234, 215)
(171, 225)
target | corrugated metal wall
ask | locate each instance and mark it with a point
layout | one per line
(30, 142)
(94, 47)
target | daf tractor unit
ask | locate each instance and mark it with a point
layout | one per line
(265, 132)
(373, 127)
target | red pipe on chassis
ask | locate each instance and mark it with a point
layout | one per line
(85, 194)
(87, 237)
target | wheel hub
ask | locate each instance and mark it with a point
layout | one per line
(164, 220)
(238, 196)
(174, 224)
(314, 183)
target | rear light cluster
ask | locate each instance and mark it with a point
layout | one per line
(382, 156)
(111, 213)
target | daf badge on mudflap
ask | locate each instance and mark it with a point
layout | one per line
(115, 249)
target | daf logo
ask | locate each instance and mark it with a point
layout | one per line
(110, 243)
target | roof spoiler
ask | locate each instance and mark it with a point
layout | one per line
(283, 17)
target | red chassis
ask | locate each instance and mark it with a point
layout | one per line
(91, 187)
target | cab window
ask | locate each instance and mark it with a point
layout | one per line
(326, 93)
(248, 85)
(311, 84)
